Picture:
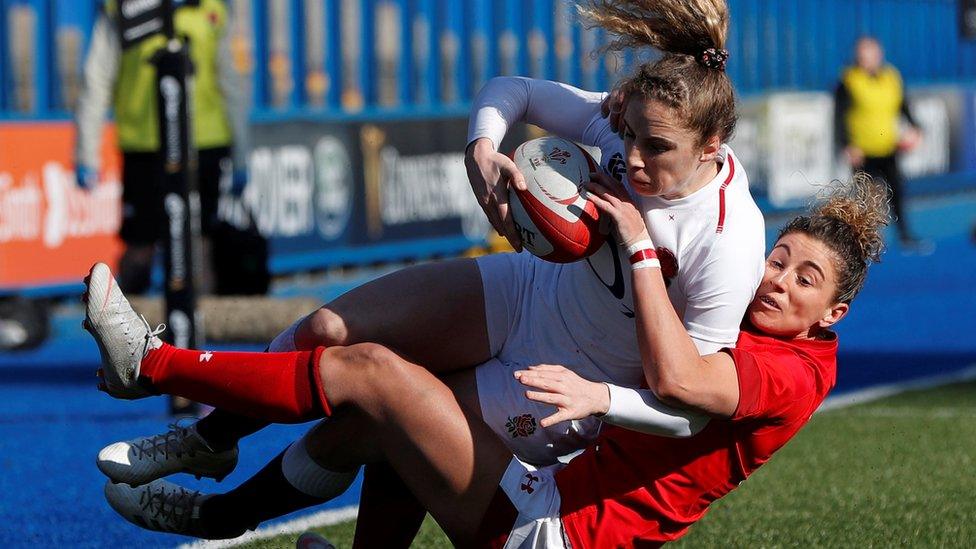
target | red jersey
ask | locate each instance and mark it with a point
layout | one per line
(634, 489)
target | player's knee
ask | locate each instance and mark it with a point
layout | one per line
(363, 372)
(324, 327)
(374, 361)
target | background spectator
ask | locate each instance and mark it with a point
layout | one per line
(870, 100)
(126, 78)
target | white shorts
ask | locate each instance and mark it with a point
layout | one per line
(524, 329)
(535, 496)
(515, 418)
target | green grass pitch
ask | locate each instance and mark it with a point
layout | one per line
(895, 472)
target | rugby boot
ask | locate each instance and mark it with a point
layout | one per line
(179, 450)
(161, 506)
(123, 337)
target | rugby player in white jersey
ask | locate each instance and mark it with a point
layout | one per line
(707, 231)
(482, 320)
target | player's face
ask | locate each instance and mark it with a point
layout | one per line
(796, 296)
(663, 157)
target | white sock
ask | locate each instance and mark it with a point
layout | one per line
(285, 341)
(310, 478)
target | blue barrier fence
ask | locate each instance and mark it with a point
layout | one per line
(401, 58)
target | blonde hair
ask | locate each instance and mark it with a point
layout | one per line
(674, 26)
(849, 218)
(690, 77)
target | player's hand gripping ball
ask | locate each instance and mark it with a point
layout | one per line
(553, 215)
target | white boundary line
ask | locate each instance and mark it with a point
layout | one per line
(315, 520)
(335, 516)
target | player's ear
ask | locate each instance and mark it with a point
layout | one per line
(710, 149)
(833, 315)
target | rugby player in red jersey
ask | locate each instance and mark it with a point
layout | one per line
(629, 488)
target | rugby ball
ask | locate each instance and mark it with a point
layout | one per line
(553, 216)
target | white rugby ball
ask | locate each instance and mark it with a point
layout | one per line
(555, 219)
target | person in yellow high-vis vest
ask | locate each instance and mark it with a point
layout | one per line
(869, 103)
(125, 77)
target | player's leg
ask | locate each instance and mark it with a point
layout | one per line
(449, 459)
(290, 482)
(384, 494)
(433, 313)
(221, 429)
(403, 415)
(117, 460)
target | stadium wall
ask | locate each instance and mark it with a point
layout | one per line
(395, 58)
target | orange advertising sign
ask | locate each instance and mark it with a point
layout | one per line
(50, 230)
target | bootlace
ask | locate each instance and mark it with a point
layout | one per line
(171, 442)
(147, 344)
(149, 335)
(174, 508)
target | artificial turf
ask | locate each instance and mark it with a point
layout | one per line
(895, 472)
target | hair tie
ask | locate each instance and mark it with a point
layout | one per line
(714, 58)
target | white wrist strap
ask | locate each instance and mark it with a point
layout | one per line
(646, 264)
(638, 247)
(645, 244)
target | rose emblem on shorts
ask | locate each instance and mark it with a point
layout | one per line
(520, 426)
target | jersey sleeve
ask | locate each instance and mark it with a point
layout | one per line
(561, 109)
(717, 296)
(640, 410)
(772, 384)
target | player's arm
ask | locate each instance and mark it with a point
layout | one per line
(673, 368)
(558, 108)
(503, 101)
(641, 410)
(98, 81)
(577, 398)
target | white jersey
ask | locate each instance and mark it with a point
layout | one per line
(711, 243)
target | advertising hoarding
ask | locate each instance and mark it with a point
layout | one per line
(50, 230)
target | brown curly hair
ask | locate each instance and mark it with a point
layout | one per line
(848, 217)
(701, 95)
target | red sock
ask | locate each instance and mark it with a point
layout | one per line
(278, 387)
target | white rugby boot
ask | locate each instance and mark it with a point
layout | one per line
(179, 450)
(160, 505)
(123, 337)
